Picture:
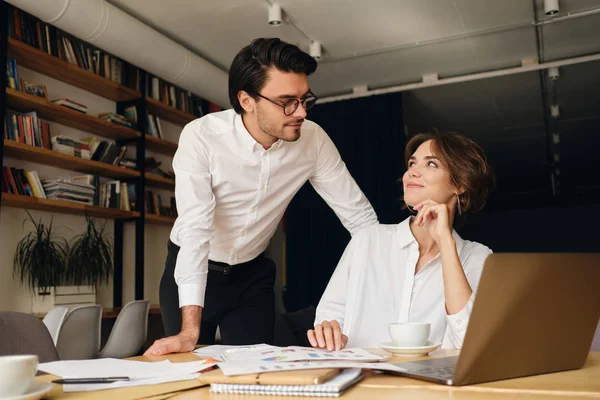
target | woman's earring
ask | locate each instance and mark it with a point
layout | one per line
(458, 204)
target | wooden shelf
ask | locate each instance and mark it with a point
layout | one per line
(64, 207)
(37, 60)
(160, 182)
(154, 219)
(45, 109)
(160, 146)
(168, 113)
(53, 158)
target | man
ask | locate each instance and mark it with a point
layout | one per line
(236, 171)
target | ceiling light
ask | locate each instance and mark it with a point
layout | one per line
(554, 111)
(315, 49)
(275, 15)
(553, 73)
(551, 7)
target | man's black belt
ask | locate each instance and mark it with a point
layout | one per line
(225, 268)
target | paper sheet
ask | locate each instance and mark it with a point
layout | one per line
(217, 351)
(107, 367)
(231, 369)
(266, 353)
(88, 387)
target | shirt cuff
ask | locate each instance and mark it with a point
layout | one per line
(191, 294)
(320, 319)
(459, 321)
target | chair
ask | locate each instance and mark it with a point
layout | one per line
(79, 336)
(54, 320)
(128, 335)
(22, 333)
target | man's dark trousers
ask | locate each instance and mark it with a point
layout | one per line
(239, 299)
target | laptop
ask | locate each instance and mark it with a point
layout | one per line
(534, 313)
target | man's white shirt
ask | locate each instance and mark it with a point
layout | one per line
(231, 193)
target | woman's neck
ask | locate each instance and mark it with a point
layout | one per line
(425, 241)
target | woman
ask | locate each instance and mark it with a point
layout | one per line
(419, 270)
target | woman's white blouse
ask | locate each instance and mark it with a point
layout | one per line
(375, 284)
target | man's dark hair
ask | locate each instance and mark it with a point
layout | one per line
(248, 70)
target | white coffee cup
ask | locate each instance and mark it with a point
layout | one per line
(17, 373)
(409, 334)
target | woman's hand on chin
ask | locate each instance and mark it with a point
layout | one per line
(327, 334)
(436, 217)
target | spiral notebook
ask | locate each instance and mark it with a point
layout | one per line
(332, 388)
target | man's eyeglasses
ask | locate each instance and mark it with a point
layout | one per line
(290, 106)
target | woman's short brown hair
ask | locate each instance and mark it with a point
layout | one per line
(466, 162)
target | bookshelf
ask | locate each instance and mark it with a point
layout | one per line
(168, 113)
(65, 207)
(160, 146)
(47, 110)
(159, 182)
(40, 61)
(40, 155)
(153, 219)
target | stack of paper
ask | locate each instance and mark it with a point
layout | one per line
(267, 353)
(139, 372)
(231, 369)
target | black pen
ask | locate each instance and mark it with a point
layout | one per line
(109, 379)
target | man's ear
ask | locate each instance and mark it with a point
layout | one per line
(246, 101)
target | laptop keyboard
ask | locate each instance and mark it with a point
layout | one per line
(440, 372)
(441, 368)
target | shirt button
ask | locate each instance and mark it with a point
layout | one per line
(458, 322)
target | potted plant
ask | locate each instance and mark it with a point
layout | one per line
(90, 259)
(59, 274)
(40, 259)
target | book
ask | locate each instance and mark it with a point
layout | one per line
(12, 74)
(71, 104)
(332, 388)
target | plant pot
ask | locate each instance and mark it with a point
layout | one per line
(70, 296)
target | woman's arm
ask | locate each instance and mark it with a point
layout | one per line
(331, 310)
(457, 322)
(460, 278)
(457, 290)
(436, 217)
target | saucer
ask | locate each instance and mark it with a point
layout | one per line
(36, 391)
(409, 351)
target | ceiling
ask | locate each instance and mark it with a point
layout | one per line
(377, 42)
(381, 43)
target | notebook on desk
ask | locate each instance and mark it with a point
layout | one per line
(331, 388)
(303, 377)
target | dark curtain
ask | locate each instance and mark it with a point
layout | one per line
(369, 134)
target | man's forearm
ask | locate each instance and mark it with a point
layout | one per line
(190, 320)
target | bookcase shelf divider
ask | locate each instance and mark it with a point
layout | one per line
(3, 45)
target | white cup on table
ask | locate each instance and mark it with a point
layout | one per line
(409, 334)
(17, 374)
